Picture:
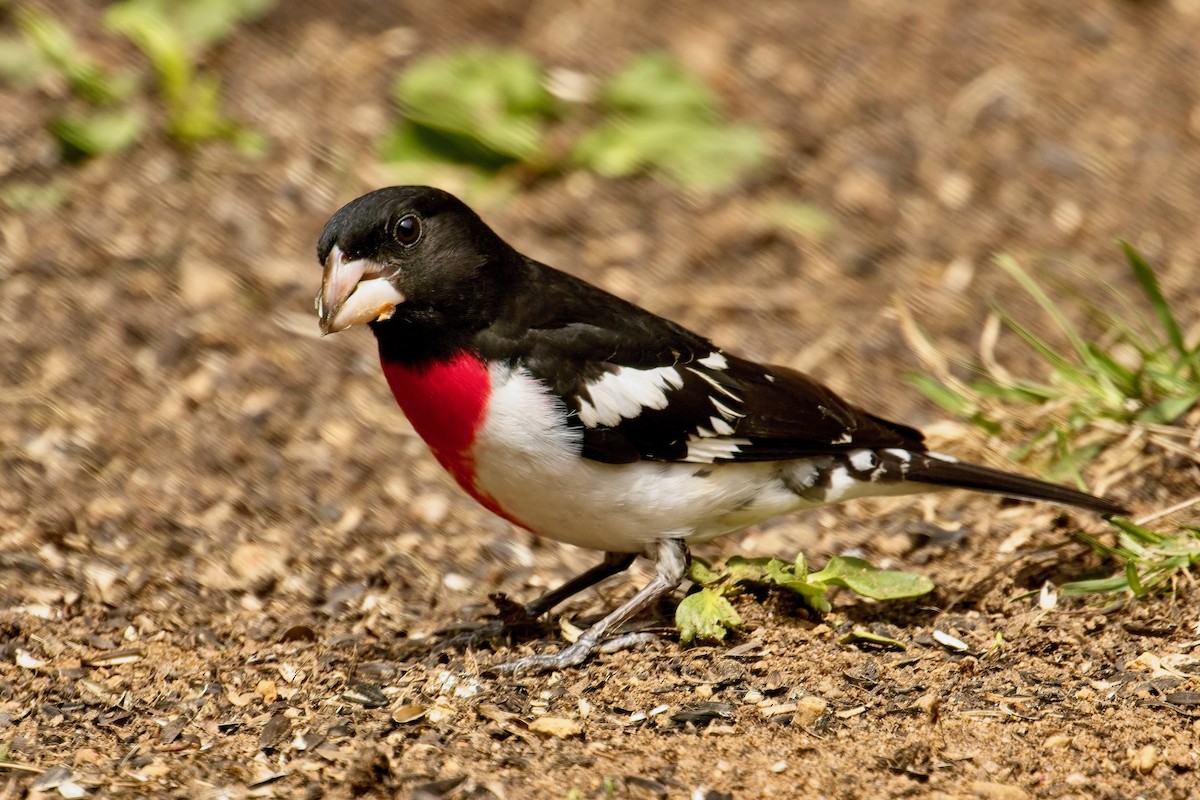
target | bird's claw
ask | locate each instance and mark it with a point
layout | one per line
(471, 639)
(583, 649)
(572, 656)
(514, 622)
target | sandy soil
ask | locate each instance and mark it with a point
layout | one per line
(223, 552)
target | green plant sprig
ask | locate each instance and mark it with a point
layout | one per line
(1136, 376)
(490, 109)
(1151, 559)
(708, 614)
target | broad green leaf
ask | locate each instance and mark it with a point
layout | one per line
(878, 584)
(812, 591)
(701, 572)
(98, 134)
(199, 24)
(792, 577)
(712, 157)
(753, 570)
(694, 154)
(656, 85)
(493, 98)
(705, 615)
(20, 62)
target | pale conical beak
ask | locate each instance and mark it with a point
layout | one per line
(353, 292)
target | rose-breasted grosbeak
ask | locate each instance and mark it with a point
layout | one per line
(584, 418)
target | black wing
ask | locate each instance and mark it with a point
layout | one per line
(643, 388)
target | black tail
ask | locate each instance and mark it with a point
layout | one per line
(942, 472)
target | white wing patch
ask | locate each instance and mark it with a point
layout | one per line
(624, 393)
(713, 382)
(714, 360)
(863, 460)
(705, 450)
(720, 427)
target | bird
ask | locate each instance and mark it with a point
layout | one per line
(584, 418)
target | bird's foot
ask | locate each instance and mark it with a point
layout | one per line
(511, 621)
(574, 655)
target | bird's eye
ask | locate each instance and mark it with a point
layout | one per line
(407, 230)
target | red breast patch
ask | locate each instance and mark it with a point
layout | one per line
(446, 403)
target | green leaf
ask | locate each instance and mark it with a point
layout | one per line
(813, 593)
(1117, 583)
(752, 570)
(878, 584)
(705, 615)
(98, 134)
(198, 24)
(694, 154)
(656, 85)
(702, 573)
(1125, 378)
(55, 43)
(20, 62)
(664, 120)
(149, 30)
(711, 157)
(772, 571)
(494, 99)
(1133, 579)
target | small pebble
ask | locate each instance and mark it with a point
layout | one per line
(1144, 760)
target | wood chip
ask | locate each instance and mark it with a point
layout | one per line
(556, 726)
(115, 658)
(778, 710)
(277, 728)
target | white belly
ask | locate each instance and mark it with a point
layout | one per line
(526, 458)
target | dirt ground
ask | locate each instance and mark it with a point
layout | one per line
(223, 552)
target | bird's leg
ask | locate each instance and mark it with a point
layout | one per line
(611, 565)
(671, 557)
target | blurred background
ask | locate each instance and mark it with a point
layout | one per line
(792, 179)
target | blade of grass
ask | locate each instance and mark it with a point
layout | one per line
(1010, 265)
(1162, 309)
(1068, 369)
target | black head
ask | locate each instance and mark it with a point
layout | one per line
(409, 255)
